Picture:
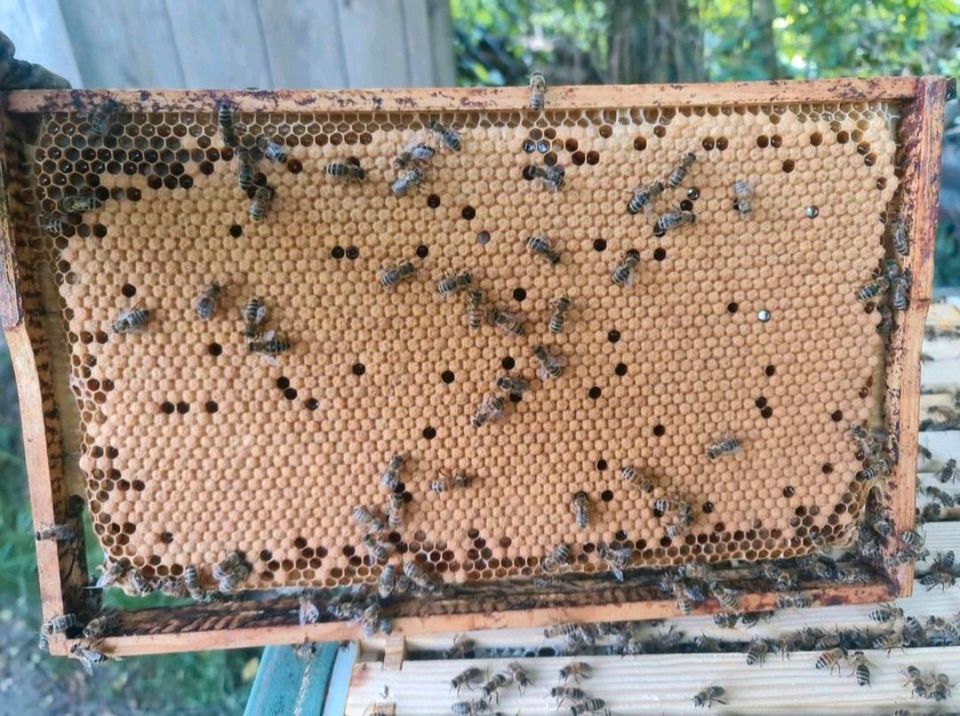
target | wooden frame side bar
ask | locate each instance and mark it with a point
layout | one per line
(478, 98)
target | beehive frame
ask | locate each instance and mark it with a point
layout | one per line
(45, 399)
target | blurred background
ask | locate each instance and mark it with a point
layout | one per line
(270, 44)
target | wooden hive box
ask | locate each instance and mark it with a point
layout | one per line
(183, 445)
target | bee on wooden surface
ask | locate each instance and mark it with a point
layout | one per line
(446, 136)
(206, 303)
(559, 307)
(79, 203)
(103, 118)
(246, 168)
(949, 473)
(941, 686)
(102, 625)
(916, 680)
(938, 578)
(643, 198)
(729, 598)
(254, 314)
(675, 219)
(708, 697)
(272, 150)
(309, 610)
(59, 624)
(679, 172)
(511, 385)
(552, 178)
(305, 651)
(561, 630)
(462, 647)
(191, 580)
(575, 670)
(568, 693)
(624, 273)
(684, 603)
(520, 676)
(269, 344)
(591, 705)
(797, 600)
(453, 284)
(420, 578)
(470, 708)
(900, 291)
(371, 621)
(940, 632)
(743, 197)
(136, 583)
(580, 504)
(391, 276)
(900, 234)
(888, 641)
(50, 223)
(757, 652)
(131, 319)
(88, 656)
(230, 572)
(495, 683)
(111, 573)
(407, 180)
(943, 561)
(550, 366)
(468, 677)
(415, 154)
(707, 644)
(474, 309)
(725, 446)
(831, 659)
(886, 613)
(541, 246)
(538, 87)
(936, 493)
(509, 323)
(872, 288)
(228, 131)
(345, 171)
(783, 579)
(260, 203)
(57, 533)
(912, 539)
(699, 571)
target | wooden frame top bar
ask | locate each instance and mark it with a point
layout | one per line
(473, 99)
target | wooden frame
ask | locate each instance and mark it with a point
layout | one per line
(250, 623)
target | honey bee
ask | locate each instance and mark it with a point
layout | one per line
(936, 493)
(783, 579)
(568, 693)
(415, 154)
(103, 118)
(230, 572)
(245, 169)
(912, 539)
(541, 246)
(131, 319)
(797, 600)
(550, 367)
(395, 511)
(590, 706)
(886, 613)
(57, 533)
(260, 203)
(725, 446)
(743, 197)
(470, 708)
(509, 323)
(580, 504)
(559, 306)
(757, 652)
(345, 171)
(624, 273)
(861, 668)
(371, 621)
(441, 485)
(938, 578)
(408, 180)
(367, 519)
(111, 573)
(949, 473)
(900, 291)
(575, 670)
(561, 630)
(59, 624)
(309, 610)
(191, 581)
(513, 386)
(206, 303)
(679, 172)
(420, 578)
(872, 289)
(227, 128)
(390, 478)
(136, 583)
(552, 178)
(79, 203)
(391, 276)
(558, 557)
(538, 87)
(474, 309)
(708, 697)
(520, 676)
(269, 344)
(900, 232)
(467, 677)
(877, 467)
(50, 223)
(616, 559)
(88, 656)
(495, 683)
(101, 625)
(728, 598)
(453, 284)
(643, 198)
(916, 680)
(273, 151)
(632, 477)
(446, 136)
(888, 641)
(171, 586)
(675, 219)
(887, 324)
(254, 314)
(491, 409)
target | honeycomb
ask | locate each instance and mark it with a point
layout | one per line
(747, 326)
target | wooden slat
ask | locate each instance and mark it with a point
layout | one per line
(220, 44)
(441, 43)
(337, 694)
(123, 44)
(418, 43)
(287, 685)
(940, 537)
(490, 98)
(666, 684)
(40, 35)
(943, 444)
(385, 62)
(304, 43)
(941, 374)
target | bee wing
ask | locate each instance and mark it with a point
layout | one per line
(543, 374)
(262, 313)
